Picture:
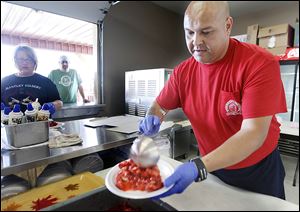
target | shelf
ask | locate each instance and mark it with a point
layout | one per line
(287, 74)
(288, 62)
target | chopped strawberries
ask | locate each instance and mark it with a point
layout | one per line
(53, 123)
(132, 177)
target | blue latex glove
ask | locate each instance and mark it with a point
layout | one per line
(51, 107)
(150, 125)
(183, 176)
(2, 106)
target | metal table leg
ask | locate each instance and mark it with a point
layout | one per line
(296, 173)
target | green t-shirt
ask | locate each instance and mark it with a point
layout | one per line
(67, 84)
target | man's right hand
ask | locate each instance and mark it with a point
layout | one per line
(150, 125)
(184, 175)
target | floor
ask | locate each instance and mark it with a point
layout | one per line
(291, 192)
(290, 163)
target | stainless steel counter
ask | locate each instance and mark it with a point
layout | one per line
(215, 195)
(94, 140)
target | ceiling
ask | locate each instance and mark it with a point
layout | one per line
(237, 8)
(17, 20)
(74, 9)
(17, 17)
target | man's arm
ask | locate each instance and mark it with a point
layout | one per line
(156, 110)
(80, 88)
(249, 138)
(58, 104)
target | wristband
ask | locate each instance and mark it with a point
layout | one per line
(202, 172)
(162, 112)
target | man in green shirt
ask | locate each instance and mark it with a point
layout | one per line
(67, 81)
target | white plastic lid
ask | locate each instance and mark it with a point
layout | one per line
(16, 111)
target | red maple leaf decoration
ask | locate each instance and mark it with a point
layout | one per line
(43, 203)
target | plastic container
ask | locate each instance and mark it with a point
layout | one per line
(5, 117)
(164, 145)
(2, 109)
(43, 114)
(15, 116)
(30, 113)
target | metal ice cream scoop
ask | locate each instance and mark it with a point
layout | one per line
(144, 151)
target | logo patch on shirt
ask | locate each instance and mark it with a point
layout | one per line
(65, 81)
(233, 108)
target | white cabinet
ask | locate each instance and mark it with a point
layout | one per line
(296, 103)
(142, 87)
(290, 79)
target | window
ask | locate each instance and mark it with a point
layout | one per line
(51, 36)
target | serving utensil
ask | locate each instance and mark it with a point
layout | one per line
(144, 151)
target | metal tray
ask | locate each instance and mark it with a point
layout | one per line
(102, 199)
(21, 135)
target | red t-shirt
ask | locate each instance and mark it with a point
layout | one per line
(216, 97)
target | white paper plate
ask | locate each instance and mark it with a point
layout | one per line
(110, 181)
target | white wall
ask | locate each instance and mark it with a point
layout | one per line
(138, 35)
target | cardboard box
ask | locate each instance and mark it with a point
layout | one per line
(277, 50)
(296, 36)
(252, 32)
(241, 38)
(276, 36)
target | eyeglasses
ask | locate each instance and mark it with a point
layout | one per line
(24, 60)
(62, 62)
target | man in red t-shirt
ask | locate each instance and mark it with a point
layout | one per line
(230, 91)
